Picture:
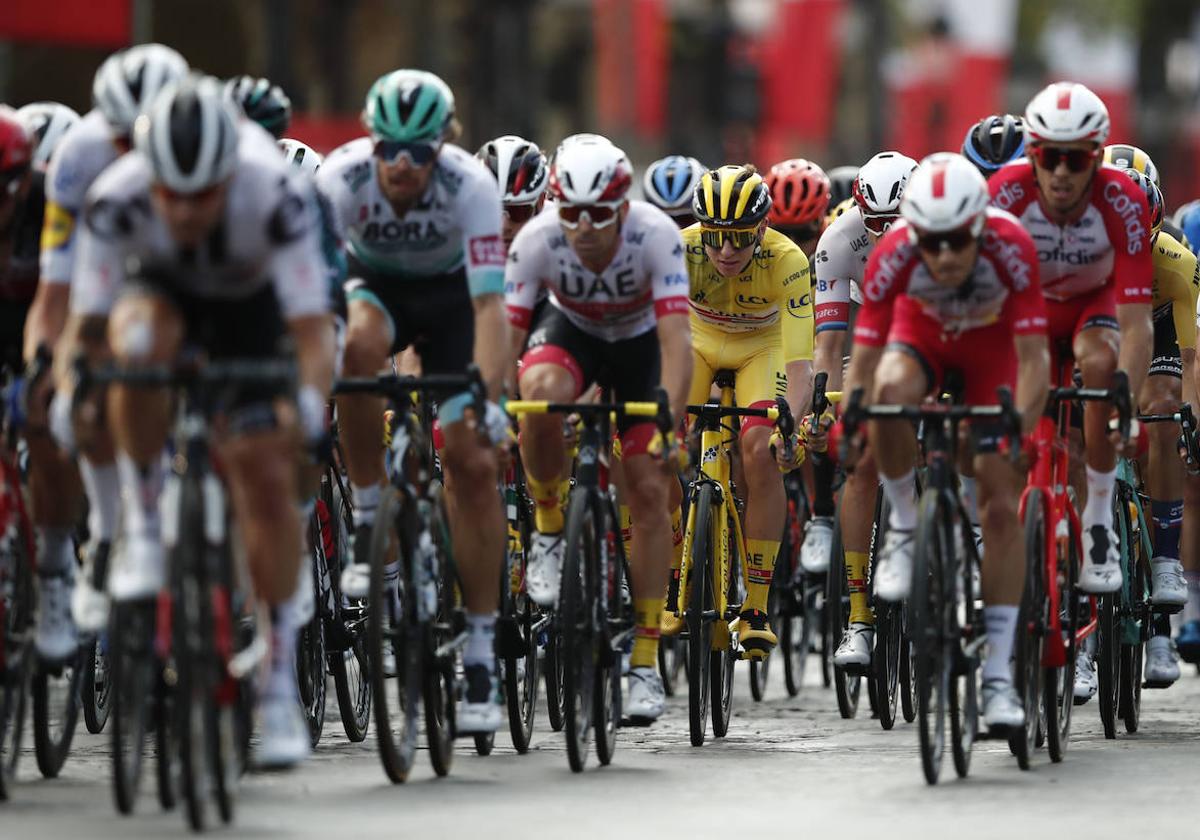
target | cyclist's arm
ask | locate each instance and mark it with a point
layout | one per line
(1133, 270)
(1137, 342)
(828, 355)
(675, 346)
(521, 285)
(47, 316)
(492, 343)
(864, 358)
(314, 340)
(797, 324)
(669, 287)
(880, 290)
(1033, 377)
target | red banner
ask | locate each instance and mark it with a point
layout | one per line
(92, 23)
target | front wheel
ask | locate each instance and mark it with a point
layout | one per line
(1059, 689)
(700, 600)
(1030, 631)
(55, 712)
(933, 554)
(580, 645)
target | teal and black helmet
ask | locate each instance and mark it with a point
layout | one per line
(263, 102)
(409, 106)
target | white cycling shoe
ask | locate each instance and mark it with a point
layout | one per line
(284, 739)
(138, 568)
(1087, 683)
(1168, 587)
(1101, 573)
(480, 711)
(56, 639)
(1162, 663)
(856, 646)
(1002, 707)
(543, 573)
(646, 700)
(818, 543)
(893, 572)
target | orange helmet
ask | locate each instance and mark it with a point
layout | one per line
(799, 193)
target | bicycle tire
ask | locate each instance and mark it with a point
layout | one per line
(926, 608)
(671, 655)
(801, 616)
(885, 663)
(579, 643)
(847, 686)
(1031, 624)
(521, 677)
(95, 688)
(439, 698)
(165, 770)
(14, 679)
(132, 676)
(908, 673)
(56, 702)
(1059, 683)
(700, 599)
(1133, 652)
(392, 621)
(724, 659)
(606, 716)
(351, 666)
(964, 687)
(553, 677)
(311, 658)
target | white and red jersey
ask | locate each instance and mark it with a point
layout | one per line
(1003, 287)
(838, 265)
(1106, 241)
(645, 280)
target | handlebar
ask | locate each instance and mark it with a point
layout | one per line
(1189, 444)
(1118, 394)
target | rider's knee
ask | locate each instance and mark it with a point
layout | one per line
(648, 492)
(145, 330)
(998, 513)
(365, 353)
(470, 470)
(547, 382)
(1097, 365)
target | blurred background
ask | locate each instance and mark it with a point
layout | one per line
(724, 80)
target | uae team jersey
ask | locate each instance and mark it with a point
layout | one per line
(645, 280)
(838, 265)
(1107, 240)
(454, 225)
(269, 235)
(1003, 286)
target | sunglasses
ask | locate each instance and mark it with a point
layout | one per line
(740, 238)
(206, 194)
(801, 233)
(1077, 160)
(951, 240)
(598, 215)
(519, 213)
(418, 154)
(878, 223)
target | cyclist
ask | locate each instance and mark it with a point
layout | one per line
(669, 184)
(993, 142)
(799, 202)
(421, 220)
(521, 169)
(841, 184)
(840, 260)
(618, 317)
(46, 123)
(207, 236)
(261, 101)
(123, 86)
(751, 312)
(955, 283)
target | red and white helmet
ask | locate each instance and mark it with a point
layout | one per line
(589, 169)
(944, 193)
(880, 183)
(1064, 112)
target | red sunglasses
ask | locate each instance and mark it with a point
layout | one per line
(1077, 160)
(951, 240)
(599, 215)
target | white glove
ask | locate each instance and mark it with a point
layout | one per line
(62, 427)
(496, 421)
(310, 402)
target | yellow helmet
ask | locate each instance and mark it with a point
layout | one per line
(1131, 157)
(731, 197)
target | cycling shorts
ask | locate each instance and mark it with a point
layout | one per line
(12, 332)
(1167, 360)
(1067, 318)
(757, 359)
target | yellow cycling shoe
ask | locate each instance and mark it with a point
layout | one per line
(753, 628)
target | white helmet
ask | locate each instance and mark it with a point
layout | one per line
(1064, 112)
(519, 166)
(880, 183)
(300, 155)
(190, 135)
(944, 193)
(46, 123)
(589, 169)
(128, 81)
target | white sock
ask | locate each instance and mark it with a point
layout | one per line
(481, 640)
(901, 493)
(102, 485)
(1098, 510)
(140, 491)
(970, 497)
(366, 502)
(281, 674)
(1001, 629)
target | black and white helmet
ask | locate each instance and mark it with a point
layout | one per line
(299, 155)
(46, 123)
(190, 135)
(520, 167)
(128, 81)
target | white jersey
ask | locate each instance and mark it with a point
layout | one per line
(84, 152)
(646, 279)
(839, 264)
(269, 234)
(455, 224)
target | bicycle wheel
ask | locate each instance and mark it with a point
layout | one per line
(310, 672)
(580, 645)
(847, 686)
(908, 672)
(17, 654)
(393, 628)
(724, 658)
(554, 677)
(616, 616)
(1031, 624)
(1059, 690)
(521, 674)
(760, 669)
(133, 675)
(1135, 627)
(801, 615)
(55, 712)
(927, 607)
(671, 654)
(166, 771)
(964, 689)
(95, 686)
(346, 636)
(439, 697)
(885, 664)
(700, 600)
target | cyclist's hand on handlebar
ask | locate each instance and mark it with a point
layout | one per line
(1190, 462)
(669, 450)
(1126, 447)
(789, 454)
(814, 431)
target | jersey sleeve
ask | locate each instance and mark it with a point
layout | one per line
(523, 275)
(1183, 306)
(796, 302)
(338, 199)
(667, 268)
(99, 266)
(884, 279)
(483, 249)
(65, 194)
(1127, 221)
(1026, 306)
(831, 282)
(296, 265)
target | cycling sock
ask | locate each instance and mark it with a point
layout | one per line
(366, 503)
(481, 640)
(647, 615)
(281, 674)
(758, 565)
(626, 525)
(856, 585)
(970, 497)
(141, 487)
(1098, 510)
(1168, 519)
(1001, 628)
(547, 515)
(1191, 610)
(102, 486)
(902, 493)
(676, 540)
(56, 554)
(1160, 625)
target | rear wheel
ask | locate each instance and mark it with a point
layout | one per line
(700, 600)
(95, 686)
(837, 603)
(310, 674)
(580, 645)
(1031, 628)
(614, 615)
(133, 679)
(346, 638)
(440, 683)
(1059, 689)
(885, 665)
(1135, 628)
(55, 712)
(760, 669)
(554, 679)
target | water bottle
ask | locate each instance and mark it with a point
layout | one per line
(427, 568)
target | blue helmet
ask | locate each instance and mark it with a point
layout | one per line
(669, 183)
(1187, 218)
(993, 142)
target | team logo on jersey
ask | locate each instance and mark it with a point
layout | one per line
(1131, 215)
(623, 284)
(486, 250)
(425, 233)
(675, 280)
(752, 300)
(1008, 195)
(796, 306)
(357, 175)
(57, 227)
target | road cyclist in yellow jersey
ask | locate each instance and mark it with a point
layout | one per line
(751, 313)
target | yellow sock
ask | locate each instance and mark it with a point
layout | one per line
(758, 567)
(548, 515)
(677, 540)
(626, 525)
(647, 615)
(856, 585)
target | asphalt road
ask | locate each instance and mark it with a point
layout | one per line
(788, 768)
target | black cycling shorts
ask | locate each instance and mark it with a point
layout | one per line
(1166, 360)
(12, 333)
